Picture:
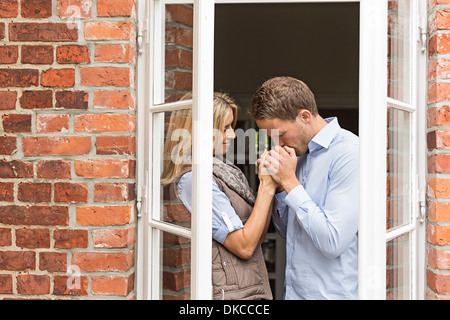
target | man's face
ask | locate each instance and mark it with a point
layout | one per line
(294, 134)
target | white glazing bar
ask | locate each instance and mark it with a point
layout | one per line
(167, 227)
(203, 74)
(397, 232)
(173, 106)
(400, 105)
(372, 132)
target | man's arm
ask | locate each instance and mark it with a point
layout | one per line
(334, 226)
(281, 164)
(280, 214)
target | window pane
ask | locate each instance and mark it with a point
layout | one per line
(399, 53)
(399, 168)
(172, 136)
(178, 51)
(175, 271)
(398, 268)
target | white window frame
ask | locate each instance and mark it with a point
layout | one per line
(372, 132)
(421, 158)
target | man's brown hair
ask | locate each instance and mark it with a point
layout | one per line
(282, 98)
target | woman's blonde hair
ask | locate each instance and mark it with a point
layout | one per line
(177, 152)
(223, 104)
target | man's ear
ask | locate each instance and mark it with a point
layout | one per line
(304, 116)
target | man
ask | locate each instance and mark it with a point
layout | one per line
(316, 165)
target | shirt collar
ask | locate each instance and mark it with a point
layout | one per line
(324, 137)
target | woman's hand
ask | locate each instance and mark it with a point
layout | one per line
(264, 175)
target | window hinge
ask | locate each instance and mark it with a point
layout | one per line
(422, 206)
(141, 194)
(423, 34)
(141, 38)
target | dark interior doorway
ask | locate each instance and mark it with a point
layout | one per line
(316, 43)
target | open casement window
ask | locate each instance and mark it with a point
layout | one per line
(405, 151)
(176, 42)
(175, 245)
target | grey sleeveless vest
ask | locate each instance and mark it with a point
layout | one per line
(232, 277)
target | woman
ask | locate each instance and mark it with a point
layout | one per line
(239, 220)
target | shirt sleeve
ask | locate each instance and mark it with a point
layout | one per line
(280, 213)
(224, 217)
(332, 227)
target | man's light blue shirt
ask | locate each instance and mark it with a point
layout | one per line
(319, 218)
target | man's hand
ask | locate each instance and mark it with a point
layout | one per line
(281, 163)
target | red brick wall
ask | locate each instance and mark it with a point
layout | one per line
(438, 139)
(67, 148)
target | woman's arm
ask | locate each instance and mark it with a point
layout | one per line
(243, 242)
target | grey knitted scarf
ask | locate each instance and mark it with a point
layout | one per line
(233, 177)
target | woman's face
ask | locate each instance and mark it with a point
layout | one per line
(227, 135)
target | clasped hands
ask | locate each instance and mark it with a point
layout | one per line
(280, 164)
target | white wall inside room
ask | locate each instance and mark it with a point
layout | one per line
(316, 43)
